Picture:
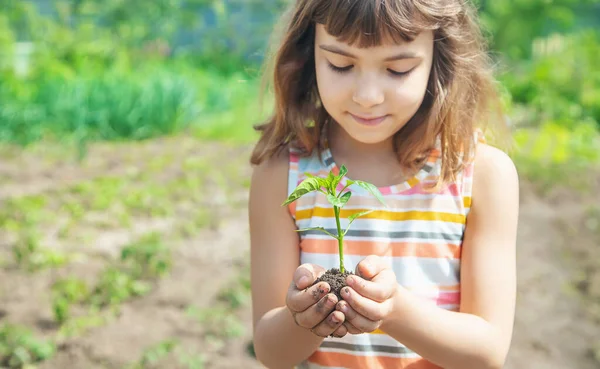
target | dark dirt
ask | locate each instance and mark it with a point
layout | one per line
(335, 279)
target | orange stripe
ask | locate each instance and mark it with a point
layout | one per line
(467, 202)
(292, 208)
(395, 249)
(337, 359)
(383, 215)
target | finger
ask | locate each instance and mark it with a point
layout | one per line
(356, 322)
(331, 324)
(382, 289)
(351, 328)
(300, 300)
(370, 266)
(341, 331)
(368, 308)
(315, 314)
(306, 274)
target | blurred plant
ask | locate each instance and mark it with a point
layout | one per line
(116, 286)
(65, 293)
(560, 86)
(30, 256)
(556, 155)
(513, 25)
(19, 348)
(147, 258)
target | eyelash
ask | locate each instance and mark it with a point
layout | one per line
(343, 70)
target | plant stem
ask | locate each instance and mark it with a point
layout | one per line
(340, 238)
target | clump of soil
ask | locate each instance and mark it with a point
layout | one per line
(336, 280)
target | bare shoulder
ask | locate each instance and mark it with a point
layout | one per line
(494, 170)
(269, 178)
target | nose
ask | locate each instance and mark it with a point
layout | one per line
(368, 92)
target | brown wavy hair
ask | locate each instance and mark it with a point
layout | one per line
(461, 93)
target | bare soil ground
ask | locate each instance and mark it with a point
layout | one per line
(198, 314)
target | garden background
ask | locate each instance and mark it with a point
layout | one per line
(125, 132)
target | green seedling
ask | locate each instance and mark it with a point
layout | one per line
(65, 293)
(338, 199)
(19, 348)
(147, 258)
(31, 256)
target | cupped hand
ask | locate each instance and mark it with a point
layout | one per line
(368, 300)
(312, 306)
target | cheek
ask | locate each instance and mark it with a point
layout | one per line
(333, 88)
(410, 95)
(405, 97)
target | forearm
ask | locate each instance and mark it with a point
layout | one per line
(449, 339)
(279, 343)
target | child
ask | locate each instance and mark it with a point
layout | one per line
(397, 91)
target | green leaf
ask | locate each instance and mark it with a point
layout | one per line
(339, 202)
(308, 185)
(317, 229)
(354, 216)
(372, 189)
(332, 183)
(345, 197)
(343, 172)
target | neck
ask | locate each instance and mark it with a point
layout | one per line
(345, 146)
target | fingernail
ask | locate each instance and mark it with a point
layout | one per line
(331, 301)
(350, 281)
(303, 281)
(334, 319)
(344, 308)
(346, 293)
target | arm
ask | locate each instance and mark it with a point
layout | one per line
(278, 341)
(479, 335)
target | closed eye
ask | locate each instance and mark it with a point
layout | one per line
(345, 69)
(340, 69)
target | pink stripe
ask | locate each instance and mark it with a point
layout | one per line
(468, 171)
(448, 298)
(451, 190)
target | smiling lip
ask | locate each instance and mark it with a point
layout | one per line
(369, 121)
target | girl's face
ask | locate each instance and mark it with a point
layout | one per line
(372, 93)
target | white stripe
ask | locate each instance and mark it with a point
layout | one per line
(368, 339)
(409, 271)
(386, 239)
(370, 353)
(385, 225)
(389, 198)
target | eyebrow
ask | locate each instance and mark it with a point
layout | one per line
(337, 50)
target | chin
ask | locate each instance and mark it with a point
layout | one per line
(368, 136)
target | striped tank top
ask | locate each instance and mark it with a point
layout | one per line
(420, 233)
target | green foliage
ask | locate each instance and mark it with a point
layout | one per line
(152, 355)
(513, 25)
(31, 256)
(556, 155)
(19, 348)
(160, 353)
(65, 293)
(141, 263)
(147, 258)
(104, 106)
(117, 286)
(560, 86)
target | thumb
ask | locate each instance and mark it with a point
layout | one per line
(306, 274)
